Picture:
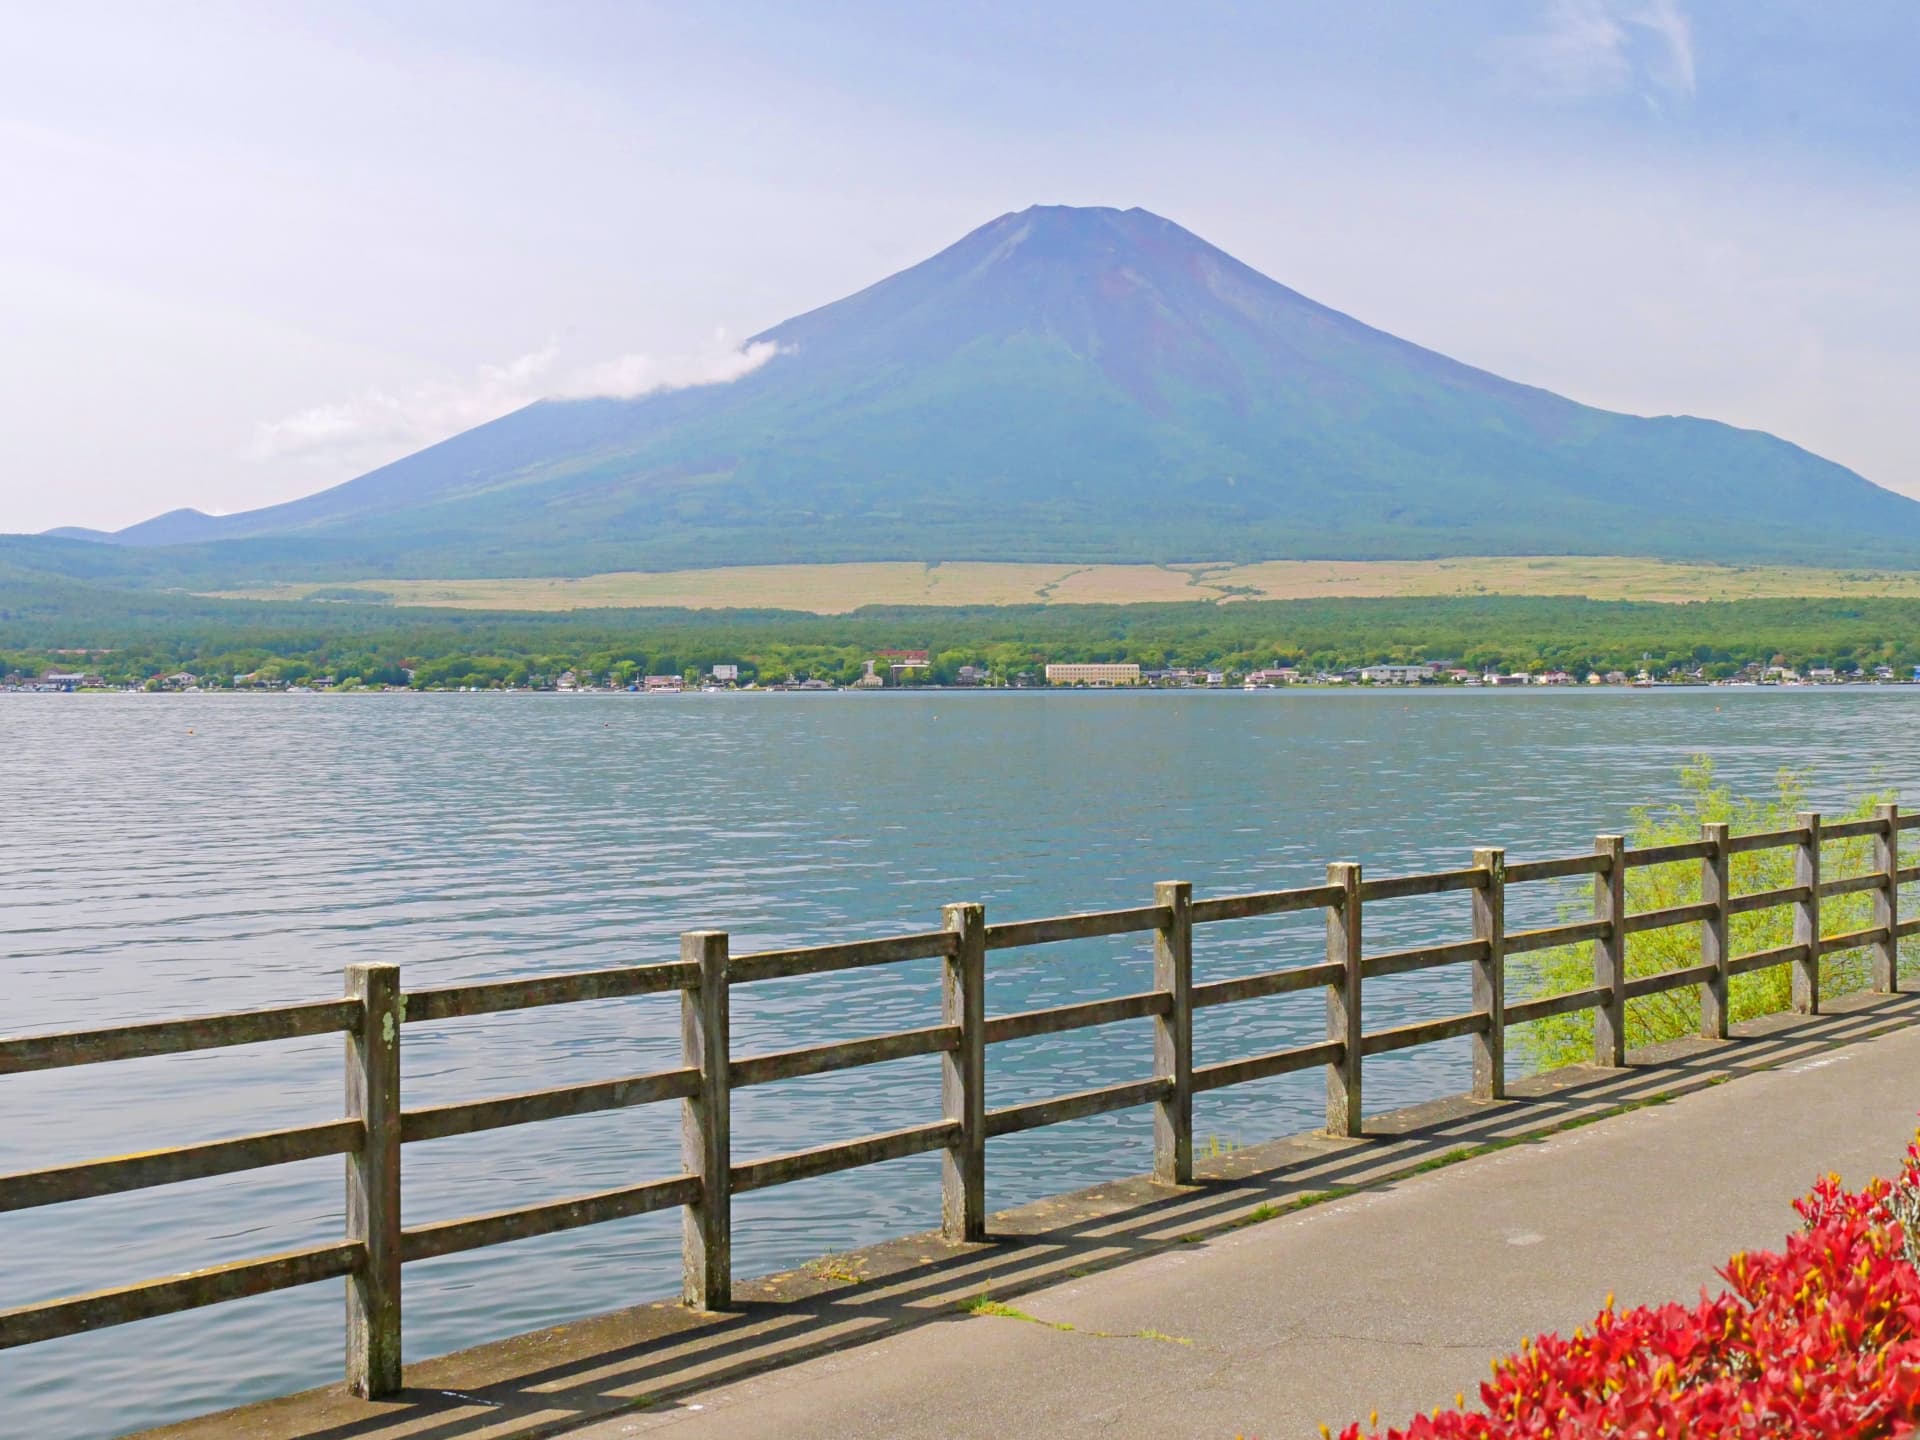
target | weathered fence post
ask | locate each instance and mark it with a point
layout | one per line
(1490, 975)
(706, 1144)
(373, 1181)
(1173, 1034)
(1886, 900)
(1716, 889)
(1610, 952)
(1343, 1001)
(963, 1076)
(1806, 914)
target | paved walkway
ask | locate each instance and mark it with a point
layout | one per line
(1395, 1298)
(1132, 1310)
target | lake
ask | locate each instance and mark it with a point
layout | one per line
(171, 855)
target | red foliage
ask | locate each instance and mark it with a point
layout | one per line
(1818, 1341)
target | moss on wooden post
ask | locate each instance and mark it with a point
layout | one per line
(706, 1146)
(373, 1181)
(1343, 1002)
(1490, 975)
(1886, 900)
(1173, 1034)
(1806, 914)
(1716, 889)
(1610, 952)
(963, 1077)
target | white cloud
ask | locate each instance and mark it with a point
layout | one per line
(1673, 47)
(1587, 49)
(381, 422)
(379, 426)
(629, 376)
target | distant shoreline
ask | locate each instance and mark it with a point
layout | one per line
(948, 691)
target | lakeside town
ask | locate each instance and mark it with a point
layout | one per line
(916, 669)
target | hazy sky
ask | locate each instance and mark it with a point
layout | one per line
(250, 250)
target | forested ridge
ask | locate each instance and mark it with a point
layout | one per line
(132, 635)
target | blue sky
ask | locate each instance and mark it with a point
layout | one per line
(249, 250)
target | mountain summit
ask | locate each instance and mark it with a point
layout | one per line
(1070, 384)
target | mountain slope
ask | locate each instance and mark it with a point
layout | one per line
(1069, 384)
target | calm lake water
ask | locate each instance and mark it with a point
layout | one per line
(171, 855)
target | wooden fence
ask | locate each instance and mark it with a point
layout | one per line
(376, 1126)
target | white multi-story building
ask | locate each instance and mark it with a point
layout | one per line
(1093, 674)
(1395, 674)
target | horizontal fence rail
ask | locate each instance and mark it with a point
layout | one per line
(371, 1136)
(173, 1037)
(186, 1162)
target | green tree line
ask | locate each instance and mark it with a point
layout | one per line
(147, 633)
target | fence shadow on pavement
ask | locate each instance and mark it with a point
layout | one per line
(662, 1354)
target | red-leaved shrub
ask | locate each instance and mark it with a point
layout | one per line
(1818, 1341)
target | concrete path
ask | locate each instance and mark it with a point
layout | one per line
(1393, 1298)
(1131, 1309)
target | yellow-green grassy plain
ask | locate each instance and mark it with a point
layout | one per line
(836, 589)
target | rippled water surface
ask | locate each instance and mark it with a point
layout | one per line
(169, 855)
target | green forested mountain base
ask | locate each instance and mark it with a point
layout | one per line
(149, 631)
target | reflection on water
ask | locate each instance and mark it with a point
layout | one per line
(168, 855)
